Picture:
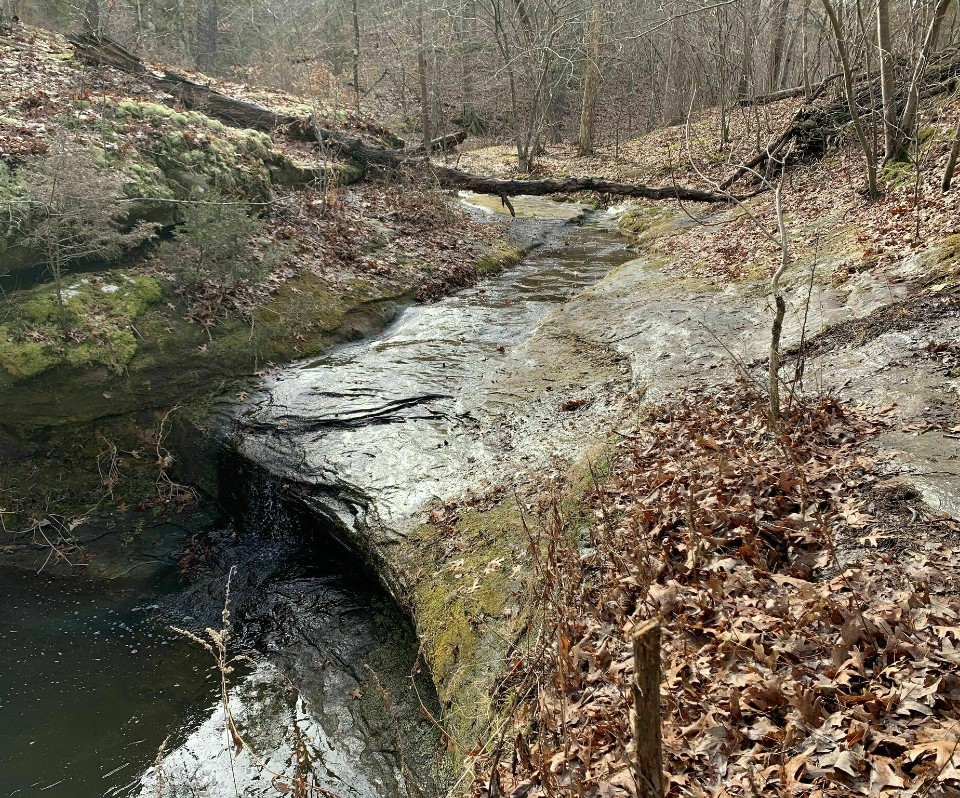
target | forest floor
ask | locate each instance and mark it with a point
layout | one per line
(804, 573)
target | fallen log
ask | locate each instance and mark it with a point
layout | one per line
(198, 96)
(786, 94)
(356, 149)
(189, 93)
(445, 143)
(243, 113)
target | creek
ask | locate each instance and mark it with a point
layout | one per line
(326, 457)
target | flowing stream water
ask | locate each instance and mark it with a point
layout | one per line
(95, 682)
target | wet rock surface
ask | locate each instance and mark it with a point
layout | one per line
(417, 413)
(322, 690)
(517, 374)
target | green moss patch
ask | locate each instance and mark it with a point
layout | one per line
(944, 263)
(499, 260)
(897, 174)
(647, 221)
(99, 313)
(464, 606)
(189, 153)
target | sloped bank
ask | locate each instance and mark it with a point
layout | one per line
(646, 332)
(93, 359)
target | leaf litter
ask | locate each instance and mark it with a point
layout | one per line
(810, 648)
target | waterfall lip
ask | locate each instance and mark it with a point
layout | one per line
(390, 411)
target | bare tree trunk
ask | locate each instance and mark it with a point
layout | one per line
(746, 86)
(591, 81)
(780, 304)
(648, 766)
(952, 160)
(469, 119)
(909, 117)
(208, 23)
(424, 77)
(779, 41)
(887, 81)
(356, 53)
(805, 50)
(868, 152)
(9, 11)
(92, 17)
(789, 59)
(145, 23)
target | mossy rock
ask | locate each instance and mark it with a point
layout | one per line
(469, 593)
(99, 314)
(943, 264)
(499, 260)
(647, 221)
(899, 174)
(191, 153)
(461, 605)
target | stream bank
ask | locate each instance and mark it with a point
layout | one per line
(372, 435)
(498, 404)
(308, 617)
(352, 432)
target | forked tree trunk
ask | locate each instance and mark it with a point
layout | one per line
(909, 117)
(887, 80)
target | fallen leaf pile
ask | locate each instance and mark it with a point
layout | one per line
(382, 230)
(810, 639)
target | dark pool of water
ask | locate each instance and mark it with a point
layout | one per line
(91, 682)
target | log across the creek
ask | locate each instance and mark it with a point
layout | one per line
(244, 113)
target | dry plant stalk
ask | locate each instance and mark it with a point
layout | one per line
(303, 783)
(646, 709)
(786, 671)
